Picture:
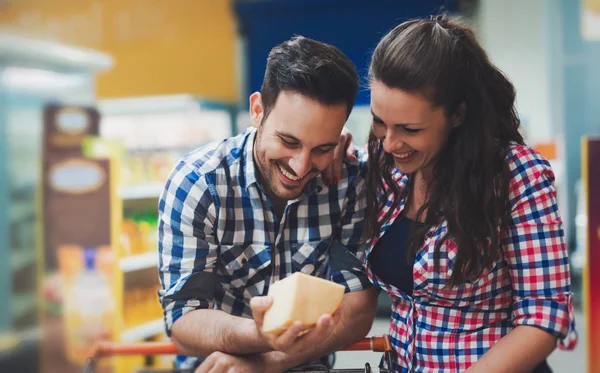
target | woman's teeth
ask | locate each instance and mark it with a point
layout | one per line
(288, 175)
(405, 154)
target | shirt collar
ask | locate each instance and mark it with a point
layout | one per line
(248, 164)
(314, 186)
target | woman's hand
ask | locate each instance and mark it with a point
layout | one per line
(344, 149)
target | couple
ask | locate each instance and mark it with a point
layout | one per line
(450, 213)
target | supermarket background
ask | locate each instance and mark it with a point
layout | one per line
(99, 98)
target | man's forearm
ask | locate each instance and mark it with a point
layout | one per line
(352, 322)
(202, 332)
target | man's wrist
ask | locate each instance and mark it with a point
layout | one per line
(278, 362)
(256, 339)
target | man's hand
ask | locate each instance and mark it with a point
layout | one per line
(345, 148)
(296, 337)
(220, 362)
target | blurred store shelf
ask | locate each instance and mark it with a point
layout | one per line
(142, 191)
(137, 262)
(20, 211)
(23, 303)
(143, 331)
(21, 259)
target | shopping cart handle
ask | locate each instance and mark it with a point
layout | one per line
(377, 344)
(145, 348)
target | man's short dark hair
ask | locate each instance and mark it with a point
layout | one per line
(314, 69)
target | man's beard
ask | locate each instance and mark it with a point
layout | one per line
(269, 174)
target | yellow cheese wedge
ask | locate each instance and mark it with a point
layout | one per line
(301, 297)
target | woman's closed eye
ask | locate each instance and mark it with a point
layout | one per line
(378, 123)
(411, 130)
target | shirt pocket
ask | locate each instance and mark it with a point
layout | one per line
(311, 257)
(246, 266)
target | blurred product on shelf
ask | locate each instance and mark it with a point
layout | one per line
(138, 234)
(148, 167)
(141, 306)
(52, 294)
(90, 310)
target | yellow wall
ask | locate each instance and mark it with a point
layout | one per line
(159, 46)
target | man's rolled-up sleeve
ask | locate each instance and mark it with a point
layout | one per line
(186, 244)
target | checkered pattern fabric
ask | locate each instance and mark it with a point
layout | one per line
(442, 329)
(215, 218)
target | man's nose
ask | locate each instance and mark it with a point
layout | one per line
(301, 163)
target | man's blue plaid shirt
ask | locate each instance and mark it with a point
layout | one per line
(220, 242)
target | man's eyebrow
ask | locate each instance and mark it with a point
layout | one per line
(283, 134)
(293, 138)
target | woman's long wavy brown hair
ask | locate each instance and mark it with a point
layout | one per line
(442, 59)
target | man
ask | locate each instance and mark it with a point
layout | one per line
(238, 215)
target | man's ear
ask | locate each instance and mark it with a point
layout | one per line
(459, 116)
(256, 109)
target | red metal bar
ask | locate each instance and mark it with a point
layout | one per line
(377, 344)
(146, 348)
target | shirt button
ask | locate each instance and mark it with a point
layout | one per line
(422, 271)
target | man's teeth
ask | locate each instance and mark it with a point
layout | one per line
(288, 175)
(404, 155)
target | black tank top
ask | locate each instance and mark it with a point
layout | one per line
(389, 259)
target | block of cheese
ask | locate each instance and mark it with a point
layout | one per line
(301, 297)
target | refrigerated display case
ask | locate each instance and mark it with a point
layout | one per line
(32, 74)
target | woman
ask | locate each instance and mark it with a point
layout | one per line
(468, 240)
